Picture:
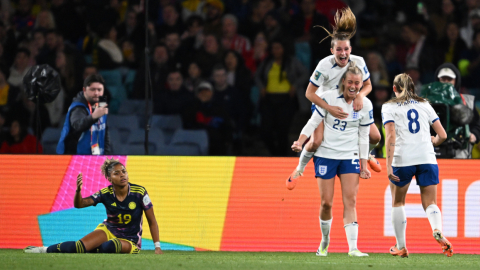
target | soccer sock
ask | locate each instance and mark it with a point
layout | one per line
(434, 217)
(352, 234)
(325, 226)
(399, 222)
(371, 147)
(304, 159)
(112, 246)
(67, 247)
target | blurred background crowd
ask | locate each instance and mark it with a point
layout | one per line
(236, 69)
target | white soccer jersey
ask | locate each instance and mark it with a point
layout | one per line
(413, 145)
(327, 74)
(340, 136)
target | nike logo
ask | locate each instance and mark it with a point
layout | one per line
(357, 167)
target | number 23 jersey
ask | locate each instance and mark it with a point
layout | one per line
(413, 145)
(124, 219)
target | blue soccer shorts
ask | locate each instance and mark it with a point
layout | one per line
(326, 168)
(426, 174)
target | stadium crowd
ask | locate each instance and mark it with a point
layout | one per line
(235, 68)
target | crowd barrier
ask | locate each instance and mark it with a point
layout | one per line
(229, 204)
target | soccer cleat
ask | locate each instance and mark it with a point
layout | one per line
(322, 252)
(374, 164)
(33, 249)
(447, 248)
(292, 179)
(396, 252)
(357, 253)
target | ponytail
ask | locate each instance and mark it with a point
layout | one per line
(405, 89)
(344, 28)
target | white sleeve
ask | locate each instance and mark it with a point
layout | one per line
(363, 134)
(432, 117)
(312, 123)
(367, 113)
(363, 66)
(319, 76)
(387, 115)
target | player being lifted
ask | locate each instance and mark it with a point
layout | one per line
(325, 78)
(121, 232)
(407, 119)
(345, 142)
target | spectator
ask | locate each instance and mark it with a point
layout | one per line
(469, 63)
(85, 131)
(238, 75)
(279, 77)
(451, 46)
(273, 25)
(376, 67)
(209, 55)
(107, 54)
(193, 78)
(448, 73)
(391, 62)
(254, 23)
(9, 43)
(20, 68)
(44, 21)
(130, 59)
(213, 19)
(440, 21)
(68, 21)
(171, 22)
(10, 96)
(193, 36)
(132, 31)
(473, 24)
(175, 98)
(259, 51)
(19, 141)
(230, 38)
(207, 113)
(23, 19)
(176, 53)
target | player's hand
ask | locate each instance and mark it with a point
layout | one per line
(473, 138)
(158, 251)
(79, 182)
(357, 103)
(392, 176)
(337, 112)
(365, 174)
(296, 147)
(99, 112)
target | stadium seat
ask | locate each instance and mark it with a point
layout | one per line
(155, 138)
(124, 123)
(133, 106)
(50, 139)
(197, 138)
(130, 81)
(115, 140)
(178, 150)
(168, 124)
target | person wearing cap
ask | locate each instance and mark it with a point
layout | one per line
(207, 113)
(448, 73)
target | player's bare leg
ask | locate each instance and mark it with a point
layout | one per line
(350, 184)
(399, 219)
(374, 138)
(429, 203)
(326, 188)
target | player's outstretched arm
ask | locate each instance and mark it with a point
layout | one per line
(152, 223)
(78, 201)
(390, 149)
(441, 134)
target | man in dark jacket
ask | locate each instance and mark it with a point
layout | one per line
(448, 73)
(85, 129)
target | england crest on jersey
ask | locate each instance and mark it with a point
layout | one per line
(322, 169)
(355, 115)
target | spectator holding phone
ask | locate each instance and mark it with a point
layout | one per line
(85, 129)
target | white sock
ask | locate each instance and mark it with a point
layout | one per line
(352, 234)
(325, 226)
(399, 222)
(371, 147)
(434, 217)
(304, 159)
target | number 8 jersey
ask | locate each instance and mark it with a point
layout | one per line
(413, 144)
(124, 219)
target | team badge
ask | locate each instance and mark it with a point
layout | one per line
(146, 200)
(355, 115)
(365, 69)
(322, 169)
(132, 205)
(371, 114)
(96, 194)
(317, 75)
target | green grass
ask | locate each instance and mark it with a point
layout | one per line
(16, 259)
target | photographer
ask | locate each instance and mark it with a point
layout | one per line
(85, 131)
(448, 73)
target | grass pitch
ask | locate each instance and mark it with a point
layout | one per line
(16, 259)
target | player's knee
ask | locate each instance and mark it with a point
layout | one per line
(326, 206)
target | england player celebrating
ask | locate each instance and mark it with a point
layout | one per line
(326, 78)
(121, 232)
(345, 141)
(407, 120)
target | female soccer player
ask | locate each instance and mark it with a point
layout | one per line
(345, 141)
(407, 119)
(121, 232)
(326, 78)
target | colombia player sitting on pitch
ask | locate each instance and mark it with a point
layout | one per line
(121, 232)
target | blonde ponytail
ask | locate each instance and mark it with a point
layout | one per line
(345, 26)
(405, 88)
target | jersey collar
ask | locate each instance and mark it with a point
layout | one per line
(335, 65)
(114, 195)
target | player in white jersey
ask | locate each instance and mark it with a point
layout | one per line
(326, 77)
(407, 120)
(345, 142)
